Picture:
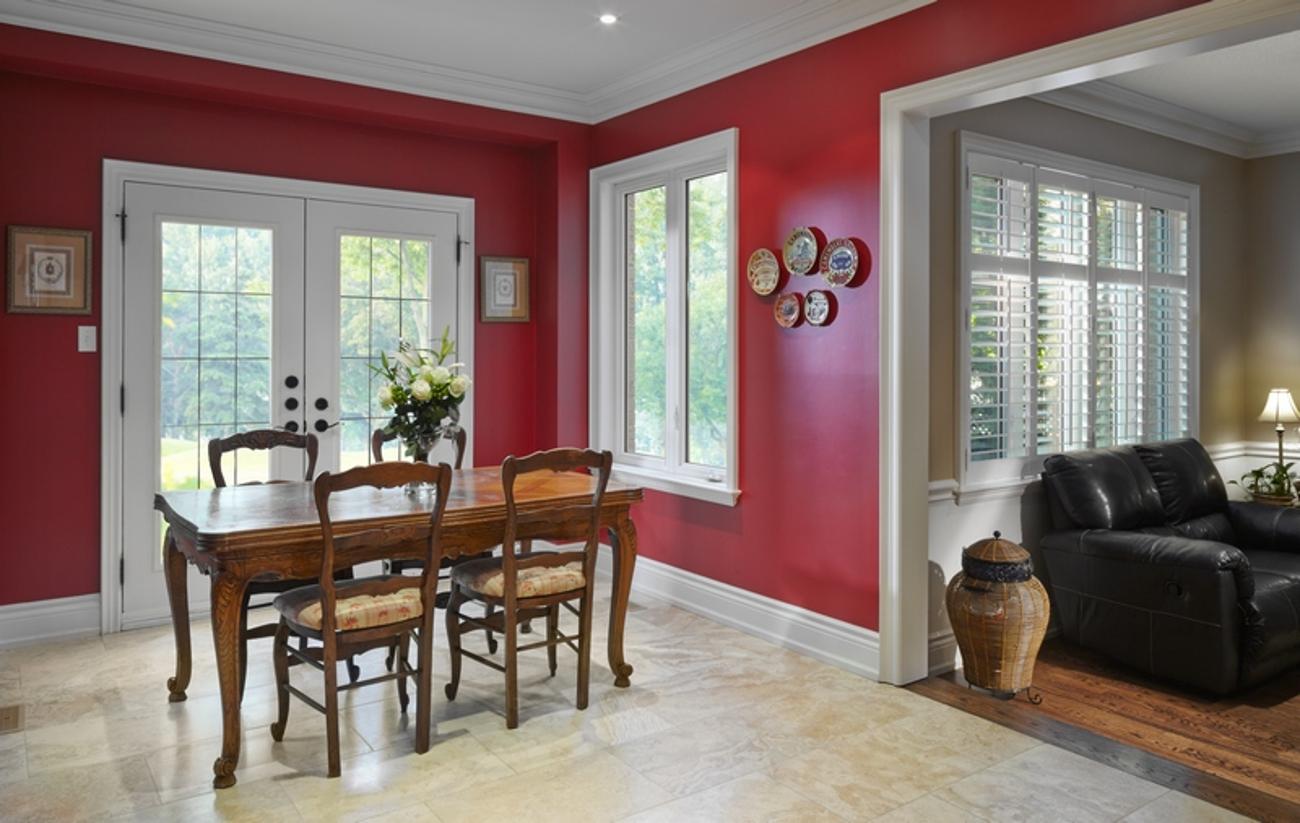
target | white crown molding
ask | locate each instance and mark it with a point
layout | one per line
(808, 23)
(843, 645)
(1140, 111)
(22, 623)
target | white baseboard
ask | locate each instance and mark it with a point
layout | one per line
(22, 623)
(840, 644)
(943, 652)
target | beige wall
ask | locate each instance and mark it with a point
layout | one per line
(1223, 182)
(1271, 320)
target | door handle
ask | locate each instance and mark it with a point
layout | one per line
(323, 426)
(291, 426)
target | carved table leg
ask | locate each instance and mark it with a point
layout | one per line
(227, 598)
(177, 574)
(623, 541)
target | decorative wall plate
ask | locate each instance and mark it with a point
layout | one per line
(818, 307)
(764, 271)
(801, 249)
(839, 262)
(788, 310)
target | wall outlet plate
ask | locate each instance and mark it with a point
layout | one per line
(87, 338)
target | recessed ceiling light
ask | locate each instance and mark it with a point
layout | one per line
(609, 19)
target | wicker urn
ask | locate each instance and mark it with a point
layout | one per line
(999, 613)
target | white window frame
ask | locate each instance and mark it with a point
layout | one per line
(670, 166)
(1012, 472)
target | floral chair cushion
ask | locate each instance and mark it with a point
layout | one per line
(487, 578)
(366, 610)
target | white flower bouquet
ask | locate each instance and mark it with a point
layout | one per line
(424, 393)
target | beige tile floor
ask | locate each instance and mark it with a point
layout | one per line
(716, 726)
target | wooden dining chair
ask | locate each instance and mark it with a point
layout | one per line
(533, 585)
(346, 617)
(264, 440)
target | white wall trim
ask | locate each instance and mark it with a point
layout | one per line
(22, 623)
(844, 645)
(805, 24)
(116, 174)
(942, 652)
(905, 263)
(1140, 111)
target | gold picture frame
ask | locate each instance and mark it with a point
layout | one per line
(49, 271)
(503, 290)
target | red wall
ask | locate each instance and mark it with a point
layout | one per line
(89, 101)
(805, 529)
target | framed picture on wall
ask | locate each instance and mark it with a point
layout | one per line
(503, 290)
(49, 271)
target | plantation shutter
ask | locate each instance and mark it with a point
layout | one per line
(1001, 310)
(1168, 319)
(1118, 334)
(1078, 305)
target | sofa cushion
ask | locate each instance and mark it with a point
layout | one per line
(1102, 489)
(1188, 482)
(1271, 631)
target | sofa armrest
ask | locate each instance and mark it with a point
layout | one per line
(1158, 559)
(1270, 528)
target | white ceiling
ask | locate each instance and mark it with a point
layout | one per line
(1243, 100)
(543, 56)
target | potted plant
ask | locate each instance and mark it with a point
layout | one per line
(424, 393)
(1272, 483)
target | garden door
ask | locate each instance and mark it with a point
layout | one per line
(376, 275)
(213, 344)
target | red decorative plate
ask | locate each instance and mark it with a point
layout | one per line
(764, 272)
(801, 249)
(788, 310)
(839, 262)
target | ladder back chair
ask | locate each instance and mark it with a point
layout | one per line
(533, 585)
(346, 617)
(264, 440)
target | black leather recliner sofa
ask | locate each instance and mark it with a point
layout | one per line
(1151, 564)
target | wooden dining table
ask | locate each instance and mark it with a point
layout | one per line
(238, 534)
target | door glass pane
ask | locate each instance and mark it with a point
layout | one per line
(384, 288)
(215, 376)
(706, 320)
(647, 321)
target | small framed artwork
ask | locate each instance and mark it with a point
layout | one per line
(49, 271)
(503, 290)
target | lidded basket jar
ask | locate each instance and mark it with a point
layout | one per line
(999, 613)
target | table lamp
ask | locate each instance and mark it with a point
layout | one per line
(1279, 409)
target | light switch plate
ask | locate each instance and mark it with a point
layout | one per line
(86, 338)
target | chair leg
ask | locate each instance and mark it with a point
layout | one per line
(280, 654)
(453, 641)
(584, 647)
(401, 644)
(392, 655)
(512, 667)
(354, 671)
(332, 706)
(552, 635)
(488, 611)
(424, 686)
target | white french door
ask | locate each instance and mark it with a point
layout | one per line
(380, 275)
(251, 310)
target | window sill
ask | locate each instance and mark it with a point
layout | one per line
(682, 486)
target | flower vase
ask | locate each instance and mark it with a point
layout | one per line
(420, 451)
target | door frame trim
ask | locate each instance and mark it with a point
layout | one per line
(116, 174)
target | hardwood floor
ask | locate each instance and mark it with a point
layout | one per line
(1241, 752)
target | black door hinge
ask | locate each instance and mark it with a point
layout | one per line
(121, 399)
(121, 220)
(121, 570)
(459, 244)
